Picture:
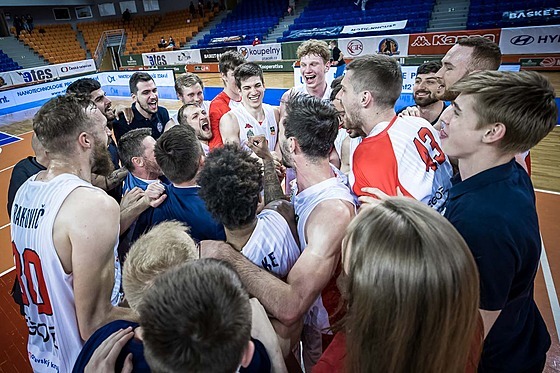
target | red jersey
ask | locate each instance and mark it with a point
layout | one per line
(220, 105)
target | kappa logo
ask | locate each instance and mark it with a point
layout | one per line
(420, 41)
(247, 125)
(355, 47)
(522, 40)
(244, 51)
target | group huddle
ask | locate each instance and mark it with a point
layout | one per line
(327, 234)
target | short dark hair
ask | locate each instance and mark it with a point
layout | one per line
(83, 86)
(180, 113)
(230, 60)
(130, 146)
(60, 120)
(178, 153)
(313, 122)
(379, 74)
(246, 71)
(136, 78)
(486, 54)
(187, 80)
(429, 67)
(196, 318)
(230, 183)
(336, 86)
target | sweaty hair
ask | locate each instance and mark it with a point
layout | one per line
(313, 122)
(187, 80)
(246, 71)
(180, 114)
(196, 318)
(83, 86)
(336, 86)
(229, 61)
(144, 262)
(412, 290)
(523, 101)
(130, 146)
(486, 54)
(230, 183)
(314, 47)
(178, 154)
(135, 79)
(429, 67)
(59, 121)
(379, 74)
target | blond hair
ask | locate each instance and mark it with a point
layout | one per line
(412, 290)
(166, 245)
(523, 101)
(315, 47)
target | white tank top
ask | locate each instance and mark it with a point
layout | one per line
(272, 245)
(54, 338)
(249, 126)
(303, 89)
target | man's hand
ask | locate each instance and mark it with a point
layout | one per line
(214, 249)
(105, 356)
(155, 194)
(126, 111)
(116, 178)
(376, 198)
(131, 198)
(411, 111)
(259, 145)
(279, 166)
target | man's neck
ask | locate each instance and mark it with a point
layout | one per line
(374, 116)
(58, 167)
(143, 112)
(257, 113)
(233, 94)
(482, 161)
(185, 184)
(144, 175)
(318, 91)
(431, 112)
(238, 238)
(309, 173)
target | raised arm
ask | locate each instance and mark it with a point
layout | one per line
(229, 129)
(272, 188)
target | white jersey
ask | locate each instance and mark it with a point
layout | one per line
(303, 89)
(304, 204)
(272, 245)
(249, 126)
(47, 290)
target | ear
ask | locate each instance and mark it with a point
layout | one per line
(327, 66)
(494, 133)
(247, 354)
(137, 161)
(85, 140)
(293, 145)
(133, 95)
(366, 98)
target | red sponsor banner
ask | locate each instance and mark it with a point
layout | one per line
(440, 42)
(542, 63)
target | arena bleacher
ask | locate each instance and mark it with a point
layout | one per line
(6, 63)
(491, 13)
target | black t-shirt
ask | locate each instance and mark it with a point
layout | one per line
(156, 123)
(22, 171)
(336, 55)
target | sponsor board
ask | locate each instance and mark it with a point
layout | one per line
(227, 39)
(371, 27)
(7, 99)
(203, 68)
(530, 40)
(180, 57)
(541, 14)
(75, 68)
(214, 54)
(277, 66)
(261, 52)
(546, 63)
(5, 79)
(314, 32)
(161, 77)
(392, 45)
(440, 42)
(132, 60)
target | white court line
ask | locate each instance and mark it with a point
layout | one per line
(547, 191)
(7, 168)
(551, 290)
(4, 226)
(7, 271)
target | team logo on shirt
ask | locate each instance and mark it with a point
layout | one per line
(272, 131)
(160, 127)
(248, 126)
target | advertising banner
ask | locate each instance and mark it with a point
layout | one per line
(180, 57)
(314, 32)
(546, 63)
(540, 15)
(393, 45)
(75, 68)
(261, 52)
(214, 54)
(161, 77)
(276, 66)
(7, 99)
(530, 40)
(371, 27)
(227, 39)
(132, 60)
(440, 42)
(5, 79)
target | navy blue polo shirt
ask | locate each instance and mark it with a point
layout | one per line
(184, 205)
(495, 213)
(156, 123)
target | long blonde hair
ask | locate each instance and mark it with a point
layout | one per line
(412, 288)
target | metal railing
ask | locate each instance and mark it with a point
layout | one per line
(107, 39)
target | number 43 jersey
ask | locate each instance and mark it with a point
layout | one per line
(404, 153)
(47, 291)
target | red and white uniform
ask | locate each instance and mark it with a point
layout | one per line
(249, 126)
(47, 290)
(220, 105)
(303, 89)
(272, 245)
(405, 153)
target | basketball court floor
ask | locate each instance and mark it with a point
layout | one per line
(15, 135)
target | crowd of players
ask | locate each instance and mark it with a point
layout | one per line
(367, 240)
